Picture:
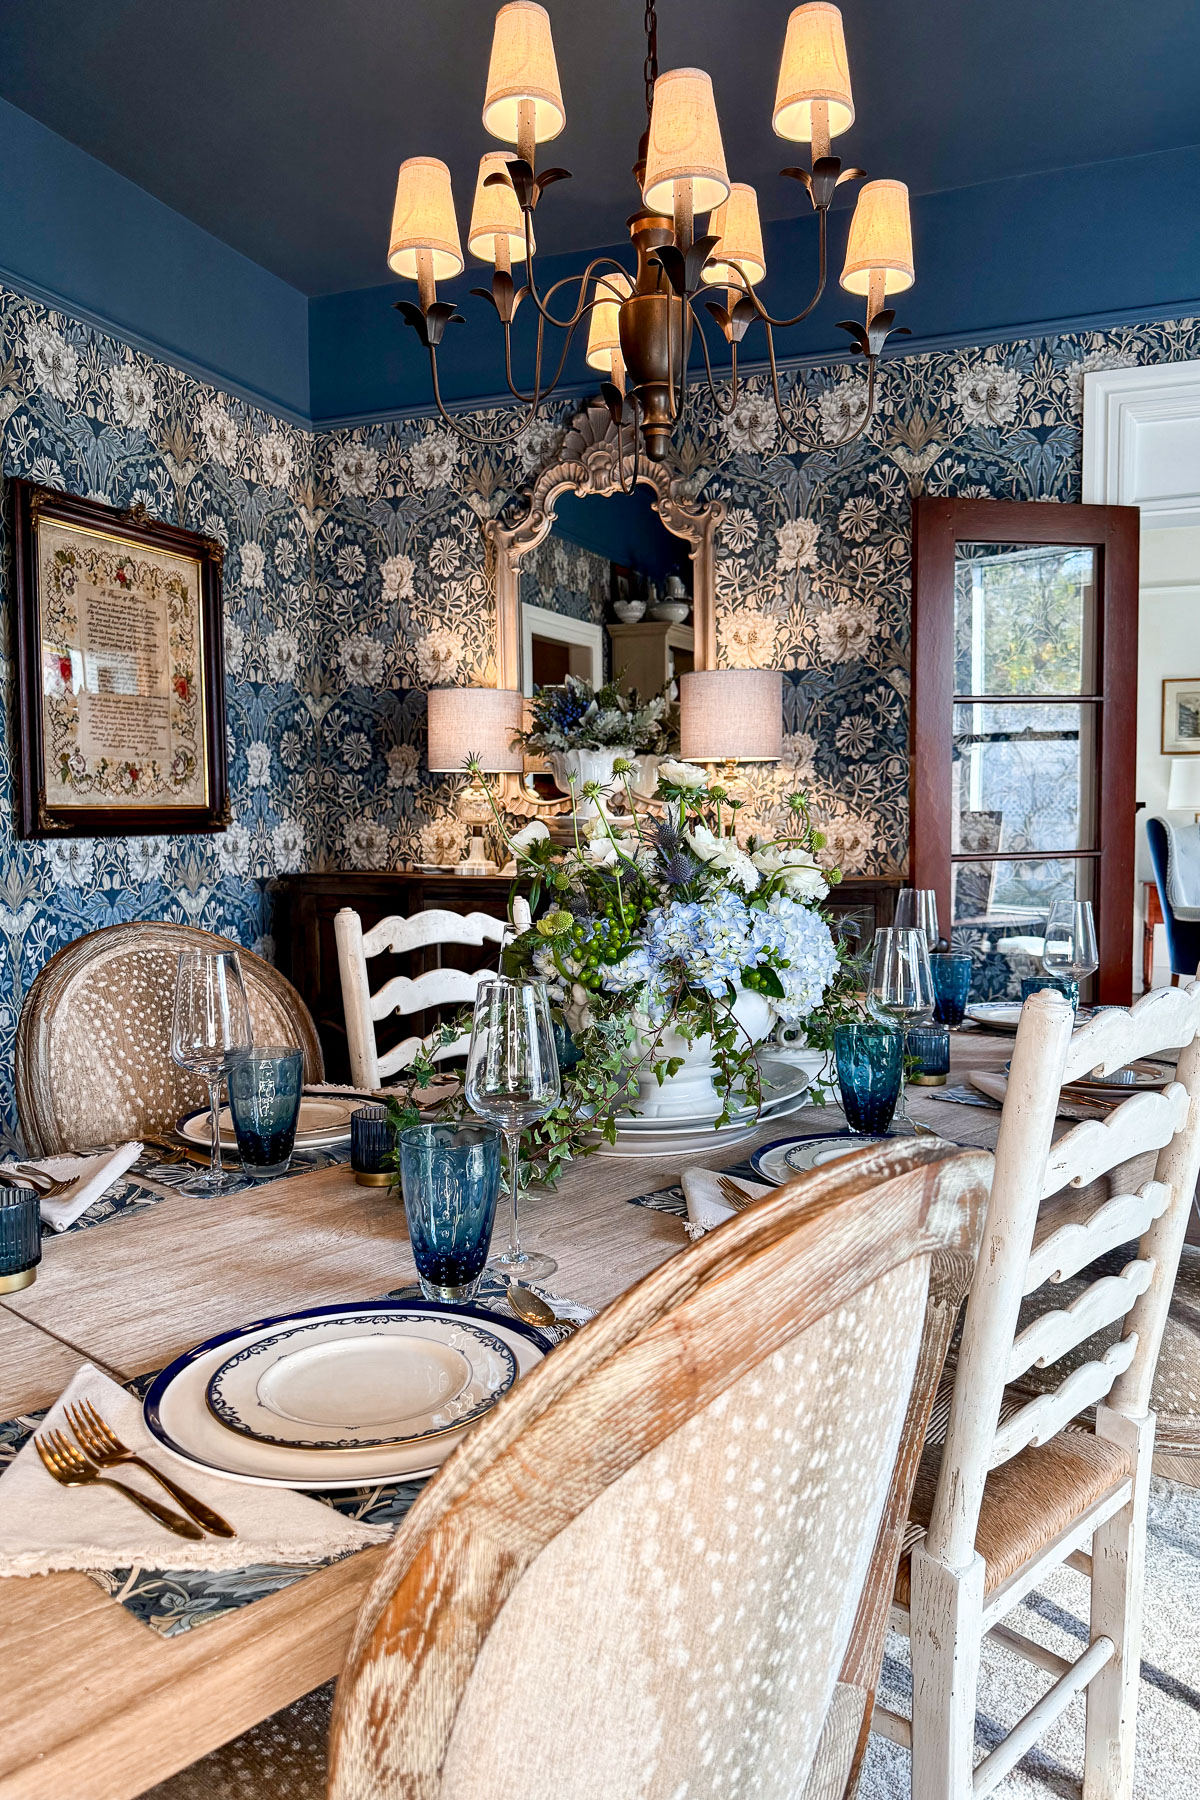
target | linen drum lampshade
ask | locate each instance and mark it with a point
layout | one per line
(423, 219)
(813, 67)
(685, 143)
(880, 240)
(496, 213)
(736, 223)
(1183, 794)
(478, 722)
(731, 715)
(604, 334)
(523, 67)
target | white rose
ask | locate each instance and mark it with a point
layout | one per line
(802, 877)
(530, 834)
(682, 774)
(724, 853)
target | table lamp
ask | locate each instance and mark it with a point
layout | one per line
(480, 723)
(1183, 793)
(731, 715)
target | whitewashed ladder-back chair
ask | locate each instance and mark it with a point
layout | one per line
(662, 1565)
(406, 994)
(1020, 1490)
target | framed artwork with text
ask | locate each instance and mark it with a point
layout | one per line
(120, 684)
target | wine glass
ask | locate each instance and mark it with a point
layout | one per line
(900, 991)
(512, 1081)
(1069, 952)
(916, 909)
(210, 1028)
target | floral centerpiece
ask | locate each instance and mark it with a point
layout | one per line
(582, 730)
(671, 949)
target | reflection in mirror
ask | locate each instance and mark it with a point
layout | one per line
(607, 595)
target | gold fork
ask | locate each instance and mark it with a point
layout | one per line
(49, 1186)
(106, 1450)
(72, 1469)
(731, 1192)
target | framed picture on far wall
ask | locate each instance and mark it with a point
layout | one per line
(120, 681)
(1181, 716)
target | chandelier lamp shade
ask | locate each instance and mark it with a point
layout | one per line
(642, 325)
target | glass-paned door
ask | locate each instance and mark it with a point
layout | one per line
(1023, 777)
(1024, 692)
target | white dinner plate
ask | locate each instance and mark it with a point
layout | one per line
(674, 1139)
(786, 1157)
(781, 1082)
(361, 1383)
(177, 1414)
(321, 1124)
(1005, 1015)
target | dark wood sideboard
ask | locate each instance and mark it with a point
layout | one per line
(306, 951)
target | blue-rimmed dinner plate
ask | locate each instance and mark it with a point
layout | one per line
(362, 1381)
(780, 1160)
(177, 1413)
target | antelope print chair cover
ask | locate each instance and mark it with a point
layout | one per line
(1024, 1482)
(93, 1054)
(661, 1566)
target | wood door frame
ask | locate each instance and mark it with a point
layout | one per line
(939, 525)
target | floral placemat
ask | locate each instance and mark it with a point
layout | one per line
(170, 1601)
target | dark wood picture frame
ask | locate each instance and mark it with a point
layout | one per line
(939, 525)
(35, 818)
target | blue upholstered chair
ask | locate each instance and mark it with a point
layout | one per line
(1183, 935)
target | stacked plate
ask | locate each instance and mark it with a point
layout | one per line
(784, 1087)
(339, 1396)
(323, 1124)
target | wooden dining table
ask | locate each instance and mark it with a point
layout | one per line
(95, 1704)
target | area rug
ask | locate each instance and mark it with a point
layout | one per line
(1168, 1754)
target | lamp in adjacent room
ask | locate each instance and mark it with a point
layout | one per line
(731, 715)
(1183, 791)
(480, 723)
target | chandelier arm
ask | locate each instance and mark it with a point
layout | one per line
(483, 440)
(628, 491)
(542, 301)
(722, 411)
(822, 277)
(800, 443)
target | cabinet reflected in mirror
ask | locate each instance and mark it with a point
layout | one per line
(606, 596)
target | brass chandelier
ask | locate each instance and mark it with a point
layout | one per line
(641, 325)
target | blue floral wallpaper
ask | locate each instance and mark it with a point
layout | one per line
(566, 578)
(356, 577)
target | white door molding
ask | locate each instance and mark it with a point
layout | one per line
(1141, 441)
(560, 628)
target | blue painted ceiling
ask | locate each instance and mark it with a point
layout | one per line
(278, 125)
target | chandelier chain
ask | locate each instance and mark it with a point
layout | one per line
(651, 66)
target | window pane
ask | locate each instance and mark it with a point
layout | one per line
(1013, 899)
(1023, 619)
(1016, 778)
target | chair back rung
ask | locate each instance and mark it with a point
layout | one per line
(1081, 1241)
(1038, 1422)
(1140, 1124)
(401, 1055)
(437, 987)
(1114, 1037)
(1100, 1304)
(435, 926)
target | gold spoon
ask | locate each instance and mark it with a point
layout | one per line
(533, 1309)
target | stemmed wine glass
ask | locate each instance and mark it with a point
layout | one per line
(1069, 952)
(209, 1030)
(900, 992)
(512, 1081)
(916, 909)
